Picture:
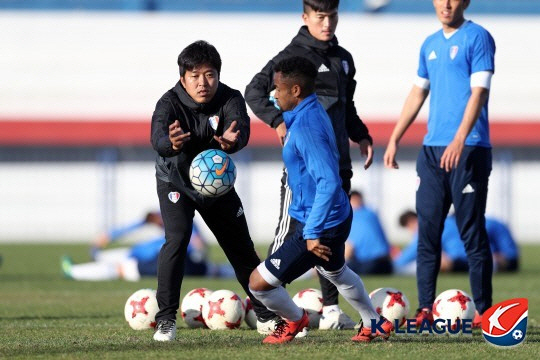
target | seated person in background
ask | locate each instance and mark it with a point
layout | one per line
(503, 247)
(367, 250)
(130, 263)
(453, 259)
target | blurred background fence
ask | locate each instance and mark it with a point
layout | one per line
(79, 81)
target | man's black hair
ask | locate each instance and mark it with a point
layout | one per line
(300, 71)
(197, 54)
(406, 216)
(321, 5)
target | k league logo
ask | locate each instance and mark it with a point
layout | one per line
(505, 323)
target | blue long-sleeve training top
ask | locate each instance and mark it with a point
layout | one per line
(311, 157)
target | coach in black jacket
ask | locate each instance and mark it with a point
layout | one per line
(199, 113)
(335, 87)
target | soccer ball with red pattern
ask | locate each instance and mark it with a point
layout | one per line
(390, 303)
(250, 318)
(310, 300)
(223, 310)
(212, 173)
(452, 305)
(191, 307)
(141, 309)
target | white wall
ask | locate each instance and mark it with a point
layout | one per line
(110, 65)
(118, 65)
(65, 201)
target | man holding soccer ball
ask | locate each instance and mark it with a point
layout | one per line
(319, 205)
(198, 113)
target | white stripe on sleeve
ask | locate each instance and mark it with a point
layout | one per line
(481, 79)
(422, 82)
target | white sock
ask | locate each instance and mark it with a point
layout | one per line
(130, 270)
(94, 271)
(278, 301)
(351, 287)
(112, 255)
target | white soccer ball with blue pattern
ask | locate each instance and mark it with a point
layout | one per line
(212, 173)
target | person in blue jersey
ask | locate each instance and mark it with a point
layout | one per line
(503, 246)
(453, 255)
(319, 204)
(453, 167)
(335, 87)
(367, 250)
(141, 259)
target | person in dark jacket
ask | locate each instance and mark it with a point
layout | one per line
(198, 113)
(334, 87)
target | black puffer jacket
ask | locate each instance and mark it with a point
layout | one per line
(226, 106)
(335, 87)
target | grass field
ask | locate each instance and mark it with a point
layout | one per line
(45, 315)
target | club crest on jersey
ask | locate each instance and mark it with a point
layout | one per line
(453, 52)
(345, 64)
(214, 121)
(505, 324)
(174, 196)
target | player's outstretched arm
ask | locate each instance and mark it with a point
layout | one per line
(236, 128)
(410, 110)
(452, 153)
(161, 120)
(177, 136)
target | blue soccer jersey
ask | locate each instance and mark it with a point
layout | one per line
(311, 157)
(367, 235)
(448, 65)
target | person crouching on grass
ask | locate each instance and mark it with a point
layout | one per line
(319, 204)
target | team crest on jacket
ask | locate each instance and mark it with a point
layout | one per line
(214, 121)
(345, 64)
(453, 52)
(174, 196)
(505, 324)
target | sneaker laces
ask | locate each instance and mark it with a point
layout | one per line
(280, 327)
(166, 326)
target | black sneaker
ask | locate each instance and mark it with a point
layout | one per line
(165, 330)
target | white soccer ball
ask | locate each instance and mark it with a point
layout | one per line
(212, 173)
(191, 307)
(223, 310)
(310, 300)
(141, 309)
(251, 317)
(390, 303)
(452, 305)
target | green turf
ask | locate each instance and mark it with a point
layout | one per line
(44, 315)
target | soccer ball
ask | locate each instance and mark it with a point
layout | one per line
(390, 303)
(250, 318)
(191, 307)
(310, 300)
(212, 173)
(453, 305)
(223, 310)
(141, 309)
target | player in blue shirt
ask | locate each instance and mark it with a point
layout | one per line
(367, 250)
(320, 206)
(453, 256)
(130, 263)
(503, 246)
(453, 167)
